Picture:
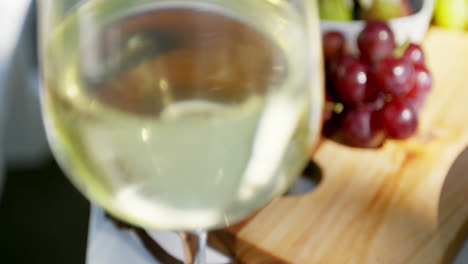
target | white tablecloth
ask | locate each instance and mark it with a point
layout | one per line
(110, 245)
(12, 15)
(22, 136)
(9, 36)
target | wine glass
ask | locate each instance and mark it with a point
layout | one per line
(183, 115)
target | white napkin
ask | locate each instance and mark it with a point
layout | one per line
(110, 245)
(12, 16)
(25, 143)
(463, 255)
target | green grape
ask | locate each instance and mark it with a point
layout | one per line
(388, 9)
(452, 13)
(336, 10)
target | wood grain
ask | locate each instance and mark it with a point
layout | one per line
(391, 205)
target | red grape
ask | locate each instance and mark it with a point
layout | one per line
(333, 44)
(414, 54)
(328, 109)
(331, 127)
(398, 118)
(421, 87)
(377, 101)
(380, 94)
(331, 67)
(351, 80)
(407, 7)
(359, 130)
(395, 76)
(376, 42)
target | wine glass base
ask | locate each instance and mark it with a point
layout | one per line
(309, 180)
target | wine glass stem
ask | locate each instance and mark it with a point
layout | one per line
(199, 257)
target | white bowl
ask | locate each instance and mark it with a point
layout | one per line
(412, 28)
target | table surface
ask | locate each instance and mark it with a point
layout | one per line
(105, 240)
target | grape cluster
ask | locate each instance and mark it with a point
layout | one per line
(377, 94)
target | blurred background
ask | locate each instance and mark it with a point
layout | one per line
(43, 219)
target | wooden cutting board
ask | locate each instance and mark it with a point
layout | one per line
(397, 204)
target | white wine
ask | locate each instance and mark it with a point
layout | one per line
(178, 115)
